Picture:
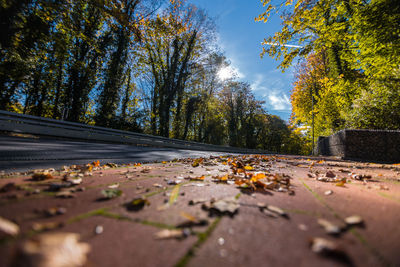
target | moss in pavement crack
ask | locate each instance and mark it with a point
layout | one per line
(382, 194)
(202, 237)
(156, 224)
(355, 233)
(86, 215)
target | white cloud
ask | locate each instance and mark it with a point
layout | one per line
(229, 72)
(279, 101)
(272, 89)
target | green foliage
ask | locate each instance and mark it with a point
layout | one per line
(348, 75)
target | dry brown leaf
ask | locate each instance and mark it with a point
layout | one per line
(330, 174)
(228, 205)
(197, 201)
(41, 176)
(353, 220)
(114, 186)
(39, 227)
(8, 227)
(322, 245)
(168, 234)
(269, 213)
(65, 194)
(9, 187)
(137, 204)
(329, 227)
(276, 210)
(53, 250)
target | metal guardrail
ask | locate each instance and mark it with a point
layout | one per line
(28, 124)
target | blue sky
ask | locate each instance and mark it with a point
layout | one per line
(240, 37)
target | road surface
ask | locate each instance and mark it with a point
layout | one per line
(19, 154)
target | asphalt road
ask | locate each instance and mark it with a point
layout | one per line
(19, 154)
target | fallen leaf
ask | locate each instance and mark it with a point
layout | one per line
(341, 183)
(197, 162)
(200, 178)
(329, 227)
(96, 163)
(359, 176)
(8, 227)
(221, 179)
(55, 211)
(322, 245)
(191, 221)
(303, 227)
(65, 194)
(53, 249)
(174, 194)
(248, 168)
(174, 182)
(41, 176)
(73, 181)
(9, 187)
(228, 205)
(111, 193)
(146, 170)
(137, 204)
(197, 201)
(330, 174)
(354, 220)
(39, 227)
(276, 210)
(114, 186)
(168, 234)
(268, 213)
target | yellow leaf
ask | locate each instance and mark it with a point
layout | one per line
(341, 183)
(248, 168)
(174, 194)
(188, 216)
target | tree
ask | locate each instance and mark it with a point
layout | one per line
(358, 45)
(172, 44)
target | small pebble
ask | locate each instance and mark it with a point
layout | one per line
(303, 227)
(99, 229)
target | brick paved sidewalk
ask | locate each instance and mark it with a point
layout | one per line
(154, 222)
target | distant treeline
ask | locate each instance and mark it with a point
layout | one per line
(140, 65)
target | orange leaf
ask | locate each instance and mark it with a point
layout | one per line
(201, 178)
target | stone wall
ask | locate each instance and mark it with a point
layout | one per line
(370, 145)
